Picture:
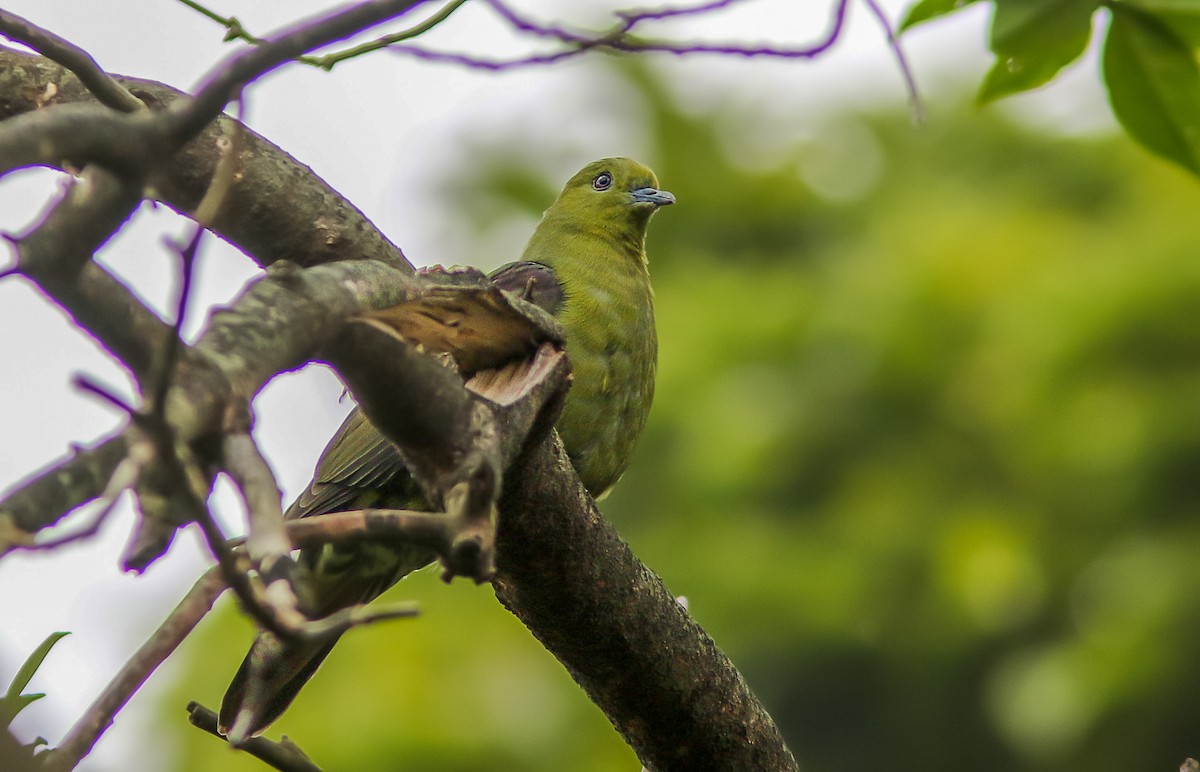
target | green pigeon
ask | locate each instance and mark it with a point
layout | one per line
(585, 264)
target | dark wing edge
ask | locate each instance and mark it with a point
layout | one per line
(532, 282)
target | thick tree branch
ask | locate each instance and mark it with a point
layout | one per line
(671, 693)
(277, 325)
(457, 442)
(277, 210)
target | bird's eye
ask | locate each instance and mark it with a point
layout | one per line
(602, 181)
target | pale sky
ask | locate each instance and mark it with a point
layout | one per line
(382, 131)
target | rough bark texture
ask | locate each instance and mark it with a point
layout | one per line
(671, 693)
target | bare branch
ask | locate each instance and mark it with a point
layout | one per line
(92, 724)
(226, 81)
(254, 480)
(44, 498)
(328, 61)
(620, 38)
(915, 106)
(671, 693)
(356, 616)
(275, 326)
(134, 144)
(277, 210)
(283, 755)
(57, 254)
(267, 545)
(108, 91)
(124, 477)
(284, 620)
(235, 31)
(172, 346)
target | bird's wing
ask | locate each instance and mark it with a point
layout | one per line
(360, 462)
(358, 459)
(532, 282)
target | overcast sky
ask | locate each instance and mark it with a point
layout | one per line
(383, 131)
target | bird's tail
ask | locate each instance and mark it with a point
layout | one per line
(283, 669)
(342, 575)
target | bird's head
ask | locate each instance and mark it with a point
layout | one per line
(615, 191)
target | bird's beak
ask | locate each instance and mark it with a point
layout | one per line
(652, 196)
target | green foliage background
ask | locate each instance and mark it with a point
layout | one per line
(924, 459)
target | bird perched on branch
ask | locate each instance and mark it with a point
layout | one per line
(585, 264)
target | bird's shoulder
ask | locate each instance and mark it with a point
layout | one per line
(533, 282)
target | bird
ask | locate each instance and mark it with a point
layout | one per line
(585, 264)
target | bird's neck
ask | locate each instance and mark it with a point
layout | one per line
(562, 239)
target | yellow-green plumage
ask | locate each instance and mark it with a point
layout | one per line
(591, 240)
(595, 242)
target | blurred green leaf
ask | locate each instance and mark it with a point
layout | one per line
(1032, 41)
(1154, 86)
(13, 701)
(1181, 16)
(926, 10)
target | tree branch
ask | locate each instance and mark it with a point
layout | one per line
(621, 38)
(277, 210)
(235, 31)
(671, 693)
(108, 91)
(87, 730)
(57, 255)
(41, 500)
(283, 755)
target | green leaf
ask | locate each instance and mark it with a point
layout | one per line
(13, 701)
(925, 10)
(1182, 16)
(1033, 40)
(1154, 86)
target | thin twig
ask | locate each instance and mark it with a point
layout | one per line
(426, 529)
(253, 478)
(916, 107)
(328, 61)
(636, 16)
(226, 81)
(284, 755)
(356, 616)
(173, 344)
(229, 147)
(82, 737)
(621, 40)
(253, 602)
(106, 90)
(234, 30)
(267, 545)
(124, 477)
(86, 384)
